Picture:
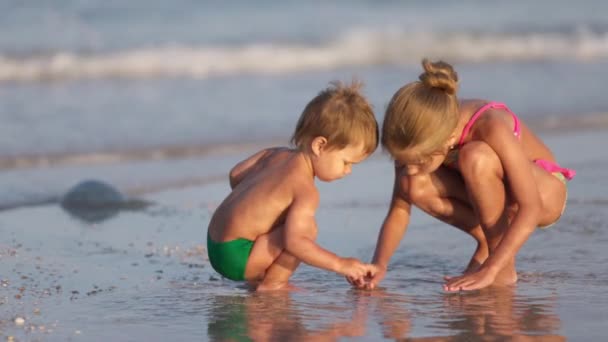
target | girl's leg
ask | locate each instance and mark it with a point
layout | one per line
(443, 195)
(484, 178)
(486, 185)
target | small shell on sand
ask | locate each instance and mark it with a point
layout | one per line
(19, 321)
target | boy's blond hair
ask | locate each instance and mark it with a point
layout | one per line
(340, 114)
(423, 113)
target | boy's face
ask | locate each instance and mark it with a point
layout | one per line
(330, 164)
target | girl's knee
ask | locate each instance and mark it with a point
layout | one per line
(418, 190)
(478, 159)
(421, 194)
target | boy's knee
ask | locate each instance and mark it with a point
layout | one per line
(314, 232)
(288, 257)
(478, 159)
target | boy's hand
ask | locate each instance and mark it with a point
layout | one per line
(371, 280)
(354, 269)
(374, 274)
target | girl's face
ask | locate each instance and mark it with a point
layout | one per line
(414, 163)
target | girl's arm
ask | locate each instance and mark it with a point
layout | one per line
(392, 231)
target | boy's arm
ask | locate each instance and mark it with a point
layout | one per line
(301, 231)
(240, 170)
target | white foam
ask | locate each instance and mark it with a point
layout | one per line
(356, 48)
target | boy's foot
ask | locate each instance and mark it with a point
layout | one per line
(263, 287)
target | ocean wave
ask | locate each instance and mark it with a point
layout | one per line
(104, 157)
(593, 121)
(43, 179)
(579, 122)
(355, 48)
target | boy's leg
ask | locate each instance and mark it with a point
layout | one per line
(266, 249)
(277, 275)
(443, 195)
(269, 265)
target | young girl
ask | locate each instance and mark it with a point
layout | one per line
(473, 164)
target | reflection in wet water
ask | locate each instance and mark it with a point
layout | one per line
(488, 315)
(144, 276)
(280, 317)
(499, 312)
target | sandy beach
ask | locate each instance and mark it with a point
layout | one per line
(160, 99)
(143, 274)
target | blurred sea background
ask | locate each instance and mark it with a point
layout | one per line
(161, 98)
(85, 82)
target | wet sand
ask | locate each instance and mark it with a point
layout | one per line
(144, 275)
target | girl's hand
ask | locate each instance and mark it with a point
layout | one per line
(363, 281)
(354, 269)
(472, 281)
(372, 283)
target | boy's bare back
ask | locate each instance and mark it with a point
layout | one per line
(266, 226)
(265, 186)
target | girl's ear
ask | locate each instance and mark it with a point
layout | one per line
(452, 142)
(318, 144)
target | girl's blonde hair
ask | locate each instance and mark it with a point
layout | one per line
(340, 114)
(423, 113)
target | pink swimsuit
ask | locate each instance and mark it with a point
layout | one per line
(451, 160)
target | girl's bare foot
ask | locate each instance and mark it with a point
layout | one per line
(508, 276)
(478, 258)
(473, 266)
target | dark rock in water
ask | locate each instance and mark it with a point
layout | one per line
(95, 201)
(93, 194)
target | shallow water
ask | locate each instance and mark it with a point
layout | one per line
(152, 95)
(143, 275)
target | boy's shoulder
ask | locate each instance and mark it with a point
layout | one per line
(290, 172)
(287, 162)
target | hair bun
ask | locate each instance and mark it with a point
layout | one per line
(439, 75)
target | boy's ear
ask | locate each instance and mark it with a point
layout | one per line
(318, 144)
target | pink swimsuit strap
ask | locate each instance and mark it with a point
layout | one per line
(477, 114)
(549, 166)
(552, 167)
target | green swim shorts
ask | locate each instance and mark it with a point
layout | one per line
(229, 258)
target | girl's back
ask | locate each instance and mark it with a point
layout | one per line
(532, 145)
